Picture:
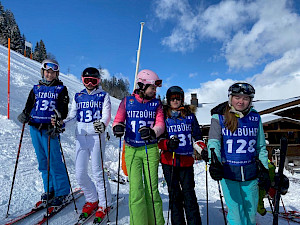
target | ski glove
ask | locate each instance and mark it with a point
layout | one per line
(216, 168)
(199, 146)
(263, 176)
(119, 129)
(99, 127)
(147, 133)
(204, 155)
(23, 117)
(173, 143)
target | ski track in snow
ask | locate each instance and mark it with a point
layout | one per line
(28, 184)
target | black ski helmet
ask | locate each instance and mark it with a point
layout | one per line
(174, 90)
(241, 88)
(91, 72)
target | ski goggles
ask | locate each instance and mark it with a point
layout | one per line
(157, 83)
(48, 66)
(175, 97)
(90, 81)
(242, 88)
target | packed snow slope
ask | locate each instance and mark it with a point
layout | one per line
(28, 184)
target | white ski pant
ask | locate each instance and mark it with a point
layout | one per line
(88, 147)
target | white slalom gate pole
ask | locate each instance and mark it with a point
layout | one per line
(138, 55)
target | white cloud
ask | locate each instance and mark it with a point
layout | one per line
(191, 75)
(105, 74)
(252, 32)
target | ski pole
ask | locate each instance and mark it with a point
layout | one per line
(284, 209)
(63, 156)
(213, 161)
(221, 198)
(150, 182)
(48, 175)
(283, 150)
(118, 187)
(15, 171)
(108, 222)
(206, 182)
(171, 199)
(271, 204)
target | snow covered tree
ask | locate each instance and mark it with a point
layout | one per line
(3, 27)
(13, 32)
(40, 52)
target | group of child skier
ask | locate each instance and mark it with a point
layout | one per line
(153, 133)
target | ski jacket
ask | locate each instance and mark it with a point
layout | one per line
(185, 128)
(152, 106)
(41, 101)
(87, 108)
(237, 151)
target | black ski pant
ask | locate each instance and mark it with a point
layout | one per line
(182, 196)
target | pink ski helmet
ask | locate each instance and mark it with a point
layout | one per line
(145, 77)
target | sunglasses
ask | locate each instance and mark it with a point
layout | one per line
(246, 89)
(53, 66)
(90, 81)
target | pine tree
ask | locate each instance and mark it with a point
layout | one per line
(36, 52)
(3, 27)
(14, 32)
(43, 51)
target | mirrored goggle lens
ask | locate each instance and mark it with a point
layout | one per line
(243, 88)
(92, 80)
(53, 66)
(158, 83)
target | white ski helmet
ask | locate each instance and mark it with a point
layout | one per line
(50, 64)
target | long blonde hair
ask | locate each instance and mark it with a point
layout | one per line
(231, 121)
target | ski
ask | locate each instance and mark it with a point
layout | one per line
(283, 150)
(32, 211)
(289, 216)
(82, 221)
(113, 176)
(53, 210)
(25, 215)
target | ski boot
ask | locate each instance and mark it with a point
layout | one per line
(43, 202)
(87, 209)
(100, 214)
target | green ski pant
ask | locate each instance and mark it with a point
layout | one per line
(140, 199)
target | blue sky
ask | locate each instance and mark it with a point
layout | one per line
(203, 46)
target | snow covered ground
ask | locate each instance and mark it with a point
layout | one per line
(28, 184)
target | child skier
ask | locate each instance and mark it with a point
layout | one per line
(177, 157)
(46, 96)
(91, 108)
(237, 137)
(140, 117)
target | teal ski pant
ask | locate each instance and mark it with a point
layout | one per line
(58, 179)
(140, 199)
(241, 198)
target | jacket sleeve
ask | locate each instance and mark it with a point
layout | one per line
(62, 102)
(159, 126)
(261, 145)
(121, 113)
(72, 113)
(215, 137)
(29, 103)
(106, 110)
(163, 141)
(196, 131)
